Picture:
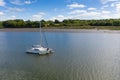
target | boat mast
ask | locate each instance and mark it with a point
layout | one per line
(40, 34)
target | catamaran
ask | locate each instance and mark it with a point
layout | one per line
(40, 49)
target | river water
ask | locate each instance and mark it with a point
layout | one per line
(77, 56)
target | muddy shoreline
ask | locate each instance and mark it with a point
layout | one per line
(58, 30)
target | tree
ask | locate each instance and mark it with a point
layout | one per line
(1, 24)
(56, 21)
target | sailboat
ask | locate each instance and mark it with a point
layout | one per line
(40, 49)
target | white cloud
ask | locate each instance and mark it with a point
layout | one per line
(91, 8)
(115, 6)
(77, 12)
(28, 2)
(106, 1)
(85, 15)
(91, 14)
(2, 13)
(112, 5)
(106, 12)
(59, 17)
(118, 7)
(103, 14)
(13, 17)
(15, 9)
(16, 2)
(38, 16)
(22, 2)
(104, 6)
(75, 5)
(117, 15)
(2, 3)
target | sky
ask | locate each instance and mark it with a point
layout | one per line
(36, 10)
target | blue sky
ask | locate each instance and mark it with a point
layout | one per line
(59, 9)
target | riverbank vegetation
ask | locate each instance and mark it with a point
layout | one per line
(68, 23)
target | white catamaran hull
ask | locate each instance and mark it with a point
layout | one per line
(39, 50)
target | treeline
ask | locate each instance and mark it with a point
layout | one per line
(68, 23)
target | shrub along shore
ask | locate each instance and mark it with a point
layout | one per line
(109, 24)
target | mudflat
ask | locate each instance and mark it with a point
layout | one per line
(58, 30)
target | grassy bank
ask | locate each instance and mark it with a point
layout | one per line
(86, 27)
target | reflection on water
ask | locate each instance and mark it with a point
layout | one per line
(78, 56)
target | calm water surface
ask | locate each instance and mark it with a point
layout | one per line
(77, 56)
